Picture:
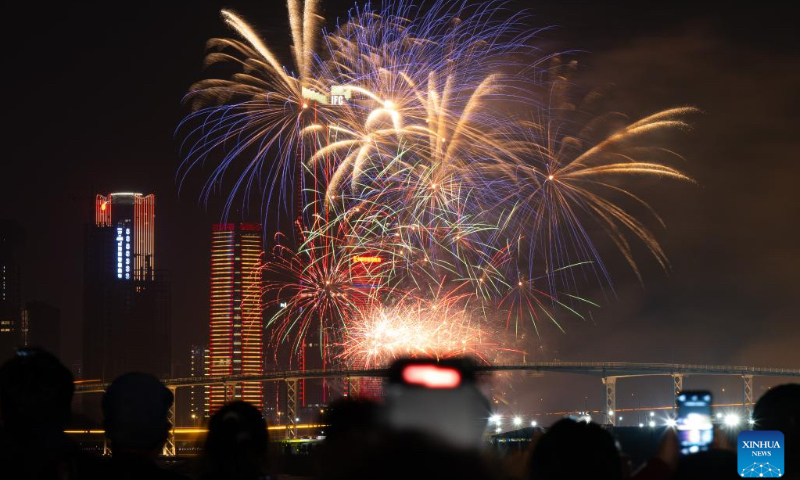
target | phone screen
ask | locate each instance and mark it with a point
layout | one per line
(695, 430)
(439, 398)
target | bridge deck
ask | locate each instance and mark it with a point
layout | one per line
(599, 369)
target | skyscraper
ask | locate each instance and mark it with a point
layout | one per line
(11, 236)
(131, 217)
(42, 326)
(127, 310)
(197, 366)
(236, 337)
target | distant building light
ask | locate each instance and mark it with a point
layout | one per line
(360, 259)
(732, 420)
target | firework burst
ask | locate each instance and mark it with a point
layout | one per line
(441, 327)
(435, 194)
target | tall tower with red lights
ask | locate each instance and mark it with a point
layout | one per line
(127, 302)
(236, 330)
(131, 217)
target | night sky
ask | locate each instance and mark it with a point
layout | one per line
(93, 98)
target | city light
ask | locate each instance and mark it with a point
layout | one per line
(533, 423)
(671, 422)
(732, 420)
(652, 424)
(367, 259)
(517, 421)
(495, 419)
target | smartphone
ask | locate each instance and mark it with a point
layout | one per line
(695, 430)
(439, 398)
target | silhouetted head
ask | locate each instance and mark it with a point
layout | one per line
(779, 409)
(573, 449)
(347, 416)
(135, 411)
(236, 445)
(352, 429)
(35, 391)
(403, 455)
(715, 464)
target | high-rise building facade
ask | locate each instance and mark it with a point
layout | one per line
(197, 368)
(236, 336)
(42, 326)
(131, 217)
(11, 237)
(127, 309)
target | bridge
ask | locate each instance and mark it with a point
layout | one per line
(608, 372)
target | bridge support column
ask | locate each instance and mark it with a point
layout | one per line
(230, 392)
(106, 448)
(677, 388)
(747, 396)
(611, 399)
(354, 387)
(291, 407)
(169, 449)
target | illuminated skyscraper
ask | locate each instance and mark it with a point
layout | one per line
(236, 336)
(197, 367)
(42, 326)
(127, 311)
(131, 216)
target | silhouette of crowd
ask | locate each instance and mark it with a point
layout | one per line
(36, 393)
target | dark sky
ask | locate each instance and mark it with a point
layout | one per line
(93, 97)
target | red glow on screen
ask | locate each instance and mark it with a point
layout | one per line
(431, 376)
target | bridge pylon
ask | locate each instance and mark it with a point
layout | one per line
(354, 387)
(610, 392)
(169, 449)
(747, 396)
(677, 388)
(291, 407)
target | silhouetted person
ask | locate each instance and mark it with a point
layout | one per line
(779, 409)
(135, 416)
(236, 445)
(352, 426)
(35, 404)
(713, 463)
(347, 417)
(575, 450)
(408, 455)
